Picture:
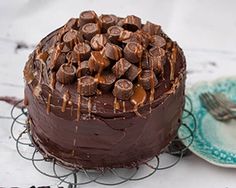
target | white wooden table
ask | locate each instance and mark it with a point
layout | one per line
(204, 29)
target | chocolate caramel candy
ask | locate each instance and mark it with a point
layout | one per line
(157, 59)
(89, 30)
(132, 72)
(83, 69)
(66, 74)
(87, 17)
(114, 33)
(158, 41)
(107, 20)
(87, 86)
(123, 89)
(98, 41)
(121, 67)
(105, 81)
(71, 23)
(151, 28)
(97, 62)
(70, 38)
(132, 23)
(133, 52)
(146, 78)
(113, 51)
(82, 49)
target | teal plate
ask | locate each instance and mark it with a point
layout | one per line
(214, 141)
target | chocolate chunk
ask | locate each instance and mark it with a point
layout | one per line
(157, 58)
(133, 52)
(145, 64)
(158, 41)
(107, 20)
(151, 28)
(125, 36)
(87, 17)
(70, 38)
(87, 86)
(82, 50)
(114, 33)
(97, 62)
(121, 67)
(123, 89)
(89, 30)
(132, 23)
(147, 79)
(98, 41)
(66, 74)
(106, 80)
(132, 72)
(83, 69)
(113, 52)
(72, 57)
(72, 23)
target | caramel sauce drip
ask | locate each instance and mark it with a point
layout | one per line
(116, 104)
(152, 91)
(138, 98)
(172, 60)
(78, 107)
(79, 65)
(89, 106)
(65, 98)
(56, 54)
(49, 103)
(28, 73)
(53, 80)
(124, 106)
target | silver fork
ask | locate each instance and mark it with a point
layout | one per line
(225, 101)
(216, 108)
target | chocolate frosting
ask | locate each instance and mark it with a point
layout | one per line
(80, 121)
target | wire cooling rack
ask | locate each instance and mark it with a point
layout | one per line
(27, 149)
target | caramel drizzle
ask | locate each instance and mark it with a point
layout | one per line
(172, 60)
(49, 103)
(65, 98)
(124, 106)
(37, 90)
(116, 105)
(138, 98)
(53, 80)
(152, 91)
(89, 106)
(79, 65)
(78, 107)
(56, 54)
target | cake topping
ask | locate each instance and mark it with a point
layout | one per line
(159, 41)
(89, 30)
(113, 51)
(106, 81)
(145, 79)
(107, 21)
(121, 67)
(83, 50)
(87, 86)
(98, 41)
(133, 72)
(151, 28)
(83, 69)
(133, 52)
(123, 89)
(70, 38)
(114, 33)
(66, 74)
(132, 23)
(87, 17)
(106, 55)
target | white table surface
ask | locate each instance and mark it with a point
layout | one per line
(206, 30)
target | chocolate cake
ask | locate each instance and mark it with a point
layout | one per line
(104, 92)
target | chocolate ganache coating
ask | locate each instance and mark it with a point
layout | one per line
(104, 92)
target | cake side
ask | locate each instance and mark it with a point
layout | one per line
(88, 125)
